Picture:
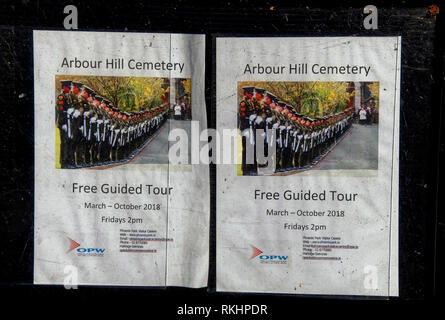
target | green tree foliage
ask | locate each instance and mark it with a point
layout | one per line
(374, 88)
(187, 84)
(126, 93)
(313, 99)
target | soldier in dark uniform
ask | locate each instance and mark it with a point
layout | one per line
(121, 137)
(257, 103)
(305, 142)
(113, 137)
(290, 138)
(126, 150)
(68, 128)
(101, 117)
(293, 141)
(272, 123)
(245, 110)
(134, 124)
(63, 103)
(260, 132)
(268, 135)
(287, 152)
(92, 132)
(281, 131)
(314, 137)
(297, 142)
(77, 118)
(95, 123)
(74, 122)
(311, 144)
(106, 147)
(87, 99)
(269, 101)
(324, 134)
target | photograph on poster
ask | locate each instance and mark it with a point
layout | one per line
(104, 121)
(307, 126)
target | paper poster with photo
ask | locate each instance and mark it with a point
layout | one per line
(110, 208)
(310, 204)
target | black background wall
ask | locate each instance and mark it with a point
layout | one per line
(421, 231)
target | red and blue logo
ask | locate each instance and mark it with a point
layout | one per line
(95, 252)
(259, 255)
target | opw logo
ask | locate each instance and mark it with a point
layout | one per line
(97, 252)
(258, 254)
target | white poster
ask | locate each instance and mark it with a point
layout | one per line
(110, 208)
(309, 204)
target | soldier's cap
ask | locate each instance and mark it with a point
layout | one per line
(65, 83)
(260, 90)
(98, 98)
(77, 84)
(282, 103)
(271, 95)
(106, 101)
(248, 89)
(290, 107)
(88, 90)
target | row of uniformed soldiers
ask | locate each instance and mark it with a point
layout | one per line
(94, 132)
(299, 141)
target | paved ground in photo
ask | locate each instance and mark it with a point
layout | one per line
(156, 151)
(358, 150)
